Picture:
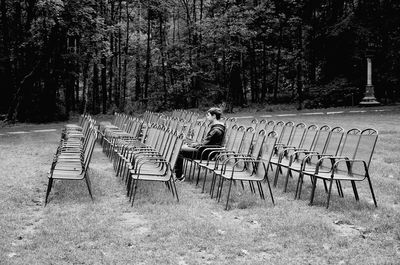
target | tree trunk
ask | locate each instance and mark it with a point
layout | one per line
(126, 50)
(119, 59)
(300, 67)
(111, 91)
(163, 71)
(278, 62)
(148, 58)
(104, 83)
(95, 84)
(85, 85)
(264, 72)
(138, 87)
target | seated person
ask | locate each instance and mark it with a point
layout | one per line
(214, 137)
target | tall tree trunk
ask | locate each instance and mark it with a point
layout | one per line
(95, 84)
(148, 58)
(119, 59)
(126, 50)
(111, 92)
(138, 87)
(300, 67)
(253, 83)
(163, 71)
(278, 62)
(264, 72)
(8, 80)
(104, 83)
(85, 85)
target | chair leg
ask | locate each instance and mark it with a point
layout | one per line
(130, 191)
(229, 192)
(174, 188)
(372, 190)
(204, 180)
(241, 182)
(198, 176)
(286, 180)
(326, 188)
(49, 185)
(89, 185)
(329, 193)
(220, 189)
(339, 187)
(260, 190)
(277, 170)
(134, 190)
(353, 184)
(251, 185)
(314, 183)
(128, 185)
(299, 186)
(269, 187)
(213, 181)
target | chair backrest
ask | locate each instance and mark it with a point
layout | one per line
(230, 122)
(286, 133)
(260, 126)
(321, 139)
(297, 136)
(367, 145)
(309, 137)
(278, 128)
(163, 141)
(247, 141)
(365, 150)
(267, 149)
(228, 132)
(176, 149)
(229, 136)
(350, 143)
(203, 132)
(195, 131)
(237, 140)
(87, 154)
(256, 149)
(171, 146)
(254, 123)
(332, 145)
(334, 141)
(269, 126)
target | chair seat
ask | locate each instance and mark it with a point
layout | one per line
(340, 176)
(152, 177)
(242, 175)
(68, 174)
(150, 169)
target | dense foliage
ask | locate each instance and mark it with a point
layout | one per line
(58, 57)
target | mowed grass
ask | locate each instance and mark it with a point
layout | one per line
(72, 229)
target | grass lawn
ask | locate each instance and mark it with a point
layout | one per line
(72, 229)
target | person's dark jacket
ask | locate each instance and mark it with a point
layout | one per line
(213, 138)
(215, 135)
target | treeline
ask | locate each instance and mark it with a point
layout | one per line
(58, 57)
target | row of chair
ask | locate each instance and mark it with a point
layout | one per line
(297, 148)
(331, 154)
(72, 158)
(143, 149)
(244, 156)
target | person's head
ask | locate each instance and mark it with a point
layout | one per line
(214, 114)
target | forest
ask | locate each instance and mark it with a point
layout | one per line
(100, 56)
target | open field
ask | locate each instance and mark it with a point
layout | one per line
(157, 230)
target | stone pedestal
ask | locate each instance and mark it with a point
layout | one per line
(369, 95)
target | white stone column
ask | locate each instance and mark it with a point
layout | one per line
(369, 72)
